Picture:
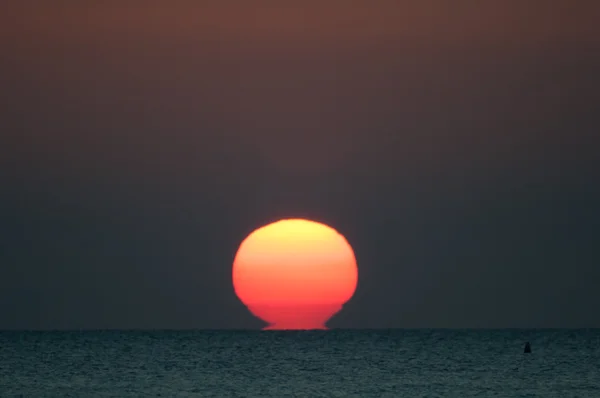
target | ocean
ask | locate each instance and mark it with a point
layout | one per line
(333, 363)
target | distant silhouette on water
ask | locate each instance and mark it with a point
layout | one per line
(527, 349)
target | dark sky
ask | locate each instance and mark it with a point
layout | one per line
(454, 144)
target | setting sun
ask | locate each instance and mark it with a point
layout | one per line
(295, 273)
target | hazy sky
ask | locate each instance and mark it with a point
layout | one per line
(454, 144)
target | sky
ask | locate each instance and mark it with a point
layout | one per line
(455, 146)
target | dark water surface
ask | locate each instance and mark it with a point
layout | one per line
(337, 363)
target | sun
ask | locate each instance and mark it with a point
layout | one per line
(295, 273)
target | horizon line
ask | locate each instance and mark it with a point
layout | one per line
(81, 330)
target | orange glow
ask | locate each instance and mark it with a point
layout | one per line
(295, 274)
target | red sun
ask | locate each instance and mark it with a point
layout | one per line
(295, 273)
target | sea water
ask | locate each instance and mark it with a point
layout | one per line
(334, 363)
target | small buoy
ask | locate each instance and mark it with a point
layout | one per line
(527, 349)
